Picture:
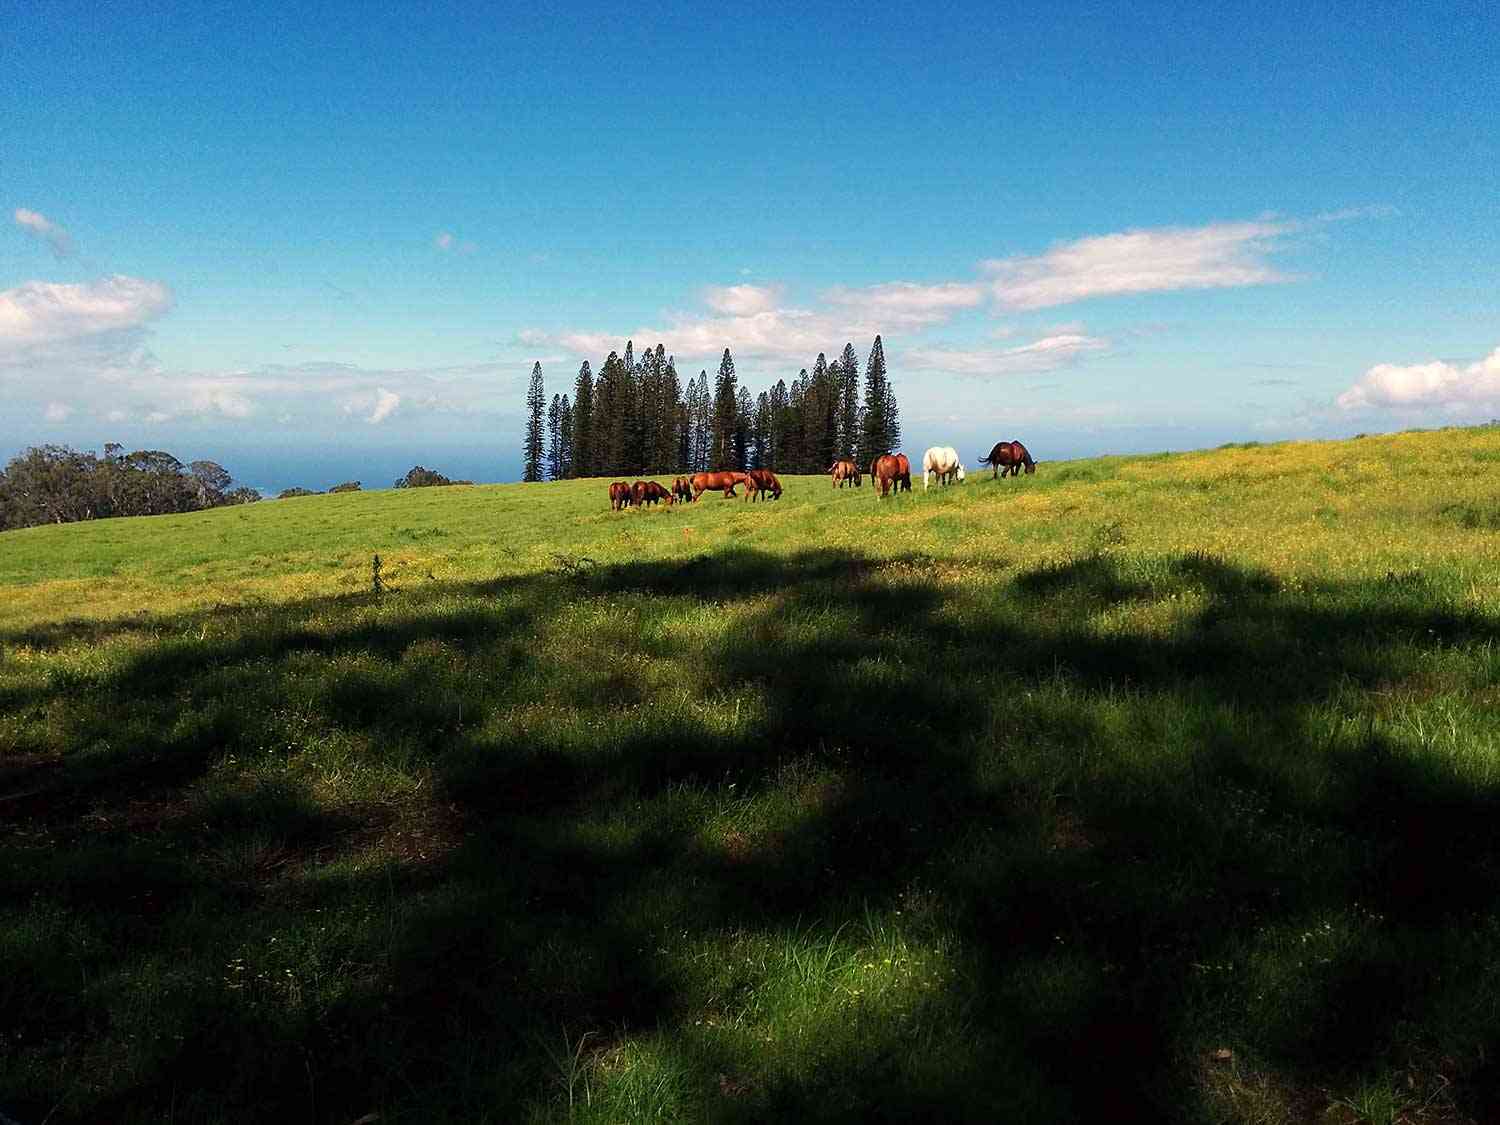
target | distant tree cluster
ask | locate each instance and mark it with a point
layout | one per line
(418, 477)
(57, 484)
(636, 416)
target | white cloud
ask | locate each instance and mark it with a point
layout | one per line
(39, 312)
(790, 335)
(905, 304)
(1426, 385)
(742, 300)
(57, 412)
(447, 241)
(1046, 354)
(532, 337)
(386, 403)
(44, 228)
(1218, 255)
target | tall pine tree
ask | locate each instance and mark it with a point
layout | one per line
(583, 423)
(536, 402)
(726, 409)
(703, 424)
(776, 441)
(760, 433)
(880, 428)
(612, 409)
(565, 426)
(744, 423)
(554, 439)
(848, 403)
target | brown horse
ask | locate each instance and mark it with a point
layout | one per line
(682, 489)
(885, 472)
(645, 492)
(765, 481)
(845, 472)
(905, 481)
(619, 496)
(724, 480)
(1007, 458)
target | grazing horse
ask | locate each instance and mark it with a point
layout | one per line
(1007, 458)
(905, 481)
(645, 492)
(941, 461)
(725, 480)
(682, 489)
(619, 496)
(845, 472)
(765, 481)
(885, 472)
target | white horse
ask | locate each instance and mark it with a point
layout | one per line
(941, 460)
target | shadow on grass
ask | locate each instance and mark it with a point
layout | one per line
(1124, 845)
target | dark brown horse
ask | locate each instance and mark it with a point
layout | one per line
(905, 481)
(845, 472)
(645, 492)
(619, 496)
(1008, 457)
(765, 481)
(682, 489)
(885, 472)
(725, 481)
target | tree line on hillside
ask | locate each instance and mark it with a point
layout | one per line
(636, 416)
(56, 484)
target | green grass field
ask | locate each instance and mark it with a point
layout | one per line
(1154, 788)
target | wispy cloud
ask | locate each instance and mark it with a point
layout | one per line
(39, 312)
(1219, 255)
(742, 300)
(1046, 354)
(906, 304)
(34, 222)
(57, 412)
(1423, 386)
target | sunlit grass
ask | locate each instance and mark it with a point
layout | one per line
(1025, 799)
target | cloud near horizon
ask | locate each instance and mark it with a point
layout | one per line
(37, 224)
(1425, 386)
(42, 312)
(1046, 354)
(1155, 260)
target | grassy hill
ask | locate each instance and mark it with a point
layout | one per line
(1156, 788)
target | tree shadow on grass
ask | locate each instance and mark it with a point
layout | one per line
(1119, 837)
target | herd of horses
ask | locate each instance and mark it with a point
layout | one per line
(888, 473)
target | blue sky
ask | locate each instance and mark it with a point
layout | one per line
(328, 243)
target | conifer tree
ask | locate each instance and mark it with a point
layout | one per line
(583, 423)
(744, 422)
(565, 426)
(536, 402)
(797, 460)
(669, 455)
(880, 428)
(554, 439)
(760, 433)
(612, 410)
(776, 439)
(703, 419)
(726, 408)
(848, 403)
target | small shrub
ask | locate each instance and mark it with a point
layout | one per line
(347, 486)
(288, 493)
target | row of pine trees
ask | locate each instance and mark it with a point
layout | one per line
(636, 417)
